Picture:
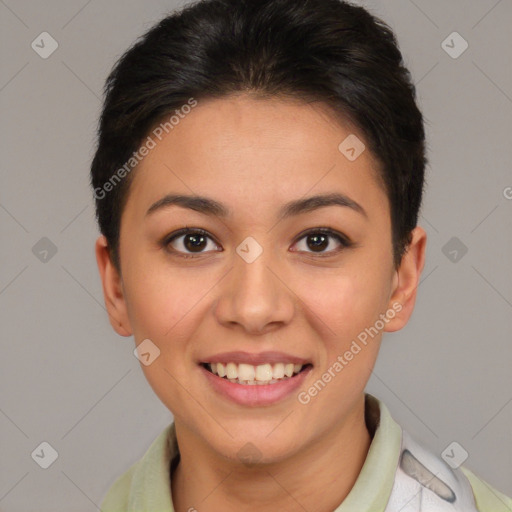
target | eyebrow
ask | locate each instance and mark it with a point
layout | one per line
(212, 207)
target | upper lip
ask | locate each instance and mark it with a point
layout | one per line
(270, 357)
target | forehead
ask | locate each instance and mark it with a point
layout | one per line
(254, 154)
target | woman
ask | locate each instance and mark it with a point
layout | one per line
(258, 177)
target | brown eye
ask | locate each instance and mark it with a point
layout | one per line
(187, 242)
(318, 242)
(320, 239)
(194, 243)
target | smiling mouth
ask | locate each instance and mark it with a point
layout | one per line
(250, 375)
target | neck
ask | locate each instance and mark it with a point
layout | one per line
(328, 468)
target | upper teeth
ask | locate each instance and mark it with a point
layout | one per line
(260, 373)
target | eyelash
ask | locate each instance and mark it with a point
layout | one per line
(343, 240)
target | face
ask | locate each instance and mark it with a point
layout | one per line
(263, 284)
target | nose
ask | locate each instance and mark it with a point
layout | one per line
(255, 297)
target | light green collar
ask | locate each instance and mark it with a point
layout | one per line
(150, 488)
(375, 481)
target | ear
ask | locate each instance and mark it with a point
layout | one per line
(113, 292)
(406, 280)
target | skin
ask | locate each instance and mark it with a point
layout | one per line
(254, 155)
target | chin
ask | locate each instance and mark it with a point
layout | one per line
(254, 448)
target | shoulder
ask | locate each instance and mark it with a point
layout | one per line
(116, 499)
(147, 480)
(426, 482)
(488, 499)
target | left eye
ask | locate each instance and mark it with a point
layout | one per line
(318, 240)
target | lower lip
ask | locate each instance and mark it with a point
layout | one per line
(257, 394)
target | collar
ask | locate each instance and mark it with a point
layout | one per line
(151, 490)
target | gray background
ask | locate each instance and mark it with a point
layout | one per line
(68, 379)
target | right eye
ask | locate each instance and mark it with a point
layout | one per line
(188, 239)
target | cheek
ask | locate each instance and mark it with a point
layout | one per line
(166, 308)
(162, 305)
(343, 303)
(342, 307)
